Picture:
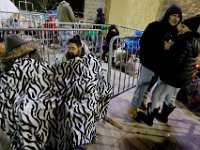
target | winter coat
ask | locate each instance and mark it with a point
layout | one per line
(111, 33)
(65, 13)
(49, 24)
(100, 19)
(152, 44)
(109, 36)
(152, 40)
(179, 66)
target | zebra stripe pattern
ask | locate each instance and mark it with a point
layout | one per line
(53, 107)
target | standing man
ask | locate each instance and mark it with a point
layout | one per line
(155, 41)
(86, 102)
(100, 19)
(65, 15)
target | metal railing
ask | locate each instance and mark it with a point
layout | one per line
(123, 65)
(121, 69)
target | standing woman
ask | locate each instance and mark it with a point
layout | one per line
(154, 43)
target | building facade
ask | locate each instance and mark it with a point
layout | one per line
(136, 13)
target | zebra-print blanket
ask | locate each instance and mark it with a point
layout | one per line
(53, 107)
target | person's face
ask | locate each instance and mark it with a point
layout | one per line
(73, 51)
(114, 30)
(183, 29)
(174, 19)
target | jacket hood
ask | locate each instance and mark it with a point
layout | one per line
(99, 10)
(173, 9)
(112, 27)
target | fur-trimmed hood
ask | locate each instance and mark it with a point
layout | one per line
(15, 48)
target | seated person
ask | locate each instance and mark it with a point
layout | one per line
(112, 32)
(91, 97)
(50, 107)
(61, 56)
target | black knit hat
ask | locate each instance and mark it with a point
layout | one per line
(15, 48)
(192, 22)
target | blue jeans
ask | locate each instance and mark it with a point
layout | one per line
(144, 80)
(163, 93)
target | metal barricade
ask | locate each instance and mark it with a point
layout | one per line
(123, 65)
(22, 19)
(48, 38)
(49, 41)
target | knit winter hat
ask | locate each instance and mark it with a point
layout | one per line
(192, 22)
(15, 48)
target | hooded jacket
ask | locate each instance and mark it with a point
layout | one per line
(112, 32)
(65, 12)
(178, 71)
(100, 18)
(152, 40)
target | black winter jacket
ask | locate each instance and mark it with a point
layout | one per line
(152, 44)
(179, 66)
(111, 34)
(100, 19)
(152, 40)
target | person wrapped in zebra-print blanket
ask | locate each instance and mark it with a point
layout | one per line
(54, 107)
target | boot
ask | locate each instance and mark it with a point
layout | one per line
(132, 112)
(148, 119)
(146, 101)
(166, 111)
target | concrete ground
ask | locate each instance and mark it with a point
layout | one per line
(182, 132)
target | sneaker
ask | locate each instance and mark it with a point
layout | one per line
(132, 112)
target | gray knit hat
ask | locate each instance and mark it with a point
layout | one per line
(15, 48)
